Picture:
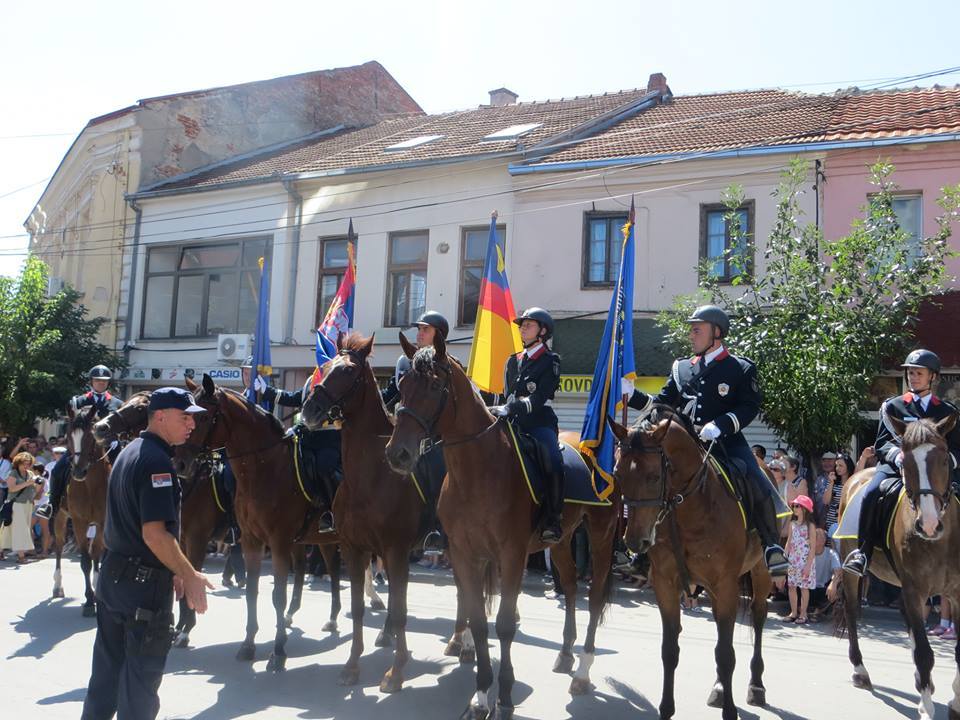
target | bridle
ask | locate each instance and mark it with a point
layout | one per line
(335, 405)
(944, 497)
(215, 415)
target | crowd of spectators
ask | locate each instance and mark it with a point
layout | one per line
(25, 466)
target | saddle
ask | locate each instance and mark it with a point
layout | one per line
(733, 474)
(317, 463)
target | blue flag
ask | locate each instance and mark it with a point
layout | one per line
(615, 372)
(262, 367)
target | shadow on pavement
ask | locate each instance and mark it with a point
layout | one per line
(48, 623)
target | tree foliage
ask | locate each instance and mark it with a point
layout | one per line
(48, 346)
(825, 317)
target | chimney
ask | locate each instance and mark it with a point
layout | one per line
(501, 97)
(658, 82)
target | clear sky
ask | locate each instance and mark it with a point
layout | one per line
(65, 62)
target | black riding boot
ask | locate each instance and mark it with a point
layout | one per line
(329, 485)
(858, 561)
(765, 519)
(552, 529)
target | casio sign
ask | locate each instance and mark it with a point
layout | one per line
(225, 373)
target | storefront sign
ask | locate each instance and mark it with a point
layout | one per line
(222, 374)
(580, 384)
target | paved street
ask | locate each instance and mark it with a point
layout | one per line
(46, 647)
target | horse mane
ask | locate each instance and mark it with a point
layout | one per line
(424, 360)
(659, 412)
(353, 341)
(81, 421)
(921, 432)
(258, 412)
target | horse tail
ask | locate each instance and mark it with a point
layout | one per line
(746, 594)
(840, 606)
(609, 589)
(491, 586)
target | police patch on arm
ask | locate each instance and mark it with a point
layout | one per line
(161, 480)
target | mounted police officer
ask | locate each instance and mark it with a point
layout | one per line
(921, 372)
(98, 395)
(143, 568)
(431, 468)
(719, 393)
(531, 378)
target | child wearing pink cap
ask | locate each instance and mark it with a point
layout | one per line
(800, 576)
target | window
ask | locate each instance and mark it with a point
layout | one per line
(406, 278)
(333, 264)
(511, 133)
(473, 255)
(202, 290)
(602, 246)
(908, 209)
(412, 143)
(719, 247)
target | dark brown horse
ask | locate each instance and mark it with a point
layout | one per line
(85, 503)
(270, 506)
(688, 522)
(490, 518)
(924, 542)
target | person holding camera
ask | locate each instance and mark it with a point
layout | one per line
(21, 489)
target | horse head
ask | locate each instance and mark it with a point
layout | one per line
(424, 392)
(926, 472)
(81, 445)
(127, 420)
(333, 397)
(657, 460)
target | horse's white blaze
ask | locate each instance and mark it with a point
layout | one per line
(77, 437)
(368, 588)
(583, 669)
(468, 640)
(928, 508)
(482, 699)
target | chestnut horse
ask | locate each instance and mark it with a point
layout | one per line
(204, 516)
(270, 507)
(85, 503)
(924, 547)
(490, 519)
(688, 522)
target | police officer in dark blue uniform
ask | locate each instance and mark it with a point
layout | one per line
(720, 394)
(531, 378)
(431, 467)
(143, 568)
(921, 372)
(98, 395)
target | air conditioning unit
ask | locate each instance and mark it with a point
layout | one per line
(54, 285)
(233, 348)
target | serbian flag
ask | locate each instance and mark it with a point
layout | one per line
(339, 317)
(261, 339)
(615, 372)
(495, 337)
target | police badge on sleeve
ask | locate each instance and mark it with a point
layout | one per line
(161, 480)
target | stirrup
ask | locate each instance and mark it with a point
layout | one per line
(325, 522)
(856, 563)
(433, 549)
(775, 560)
(551, 534)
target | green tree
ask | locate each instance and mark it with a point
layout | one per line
(826, 316)
(47, 346)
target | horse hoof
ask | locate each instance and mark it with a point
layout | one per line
(563, 663)
(330, 626)
(475, 712)
(391, 683)
(453, 649)
(666, 712)
(182, 641)
(276, 663)
(756, 696)
(349, 676)
(89, 610)
(716, 698)
(503, 712)
(377, 605)
(468, 657)
(862, 682)
(288, 621)
(383, 639)
(580, 686)
(58, 593)
(246, 653)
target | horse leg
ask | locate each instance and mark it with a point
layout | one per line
(953, 707)
(762, 583)
(195, 548)
(851, 609)
(399, 571)
(478, 633)
(59, 531)
(89, 608)
(913, 603)
(281, 570)
(562, 557)
(331, 558)
(299, 571)
(667, 590)
(376, 602)
(455, 648)
(252, 559)
(357, 563)
(725, 600)
(601, 527)
(511, 578)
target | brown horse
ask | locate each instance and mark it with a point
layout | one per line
(85, 503)
(924, 547)
(490, 519)
(687, 520)
(270, 507)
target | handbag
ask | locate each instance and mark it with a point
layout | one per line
(6, 512)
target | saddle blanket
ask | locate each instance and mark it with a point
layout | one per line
(891, 495)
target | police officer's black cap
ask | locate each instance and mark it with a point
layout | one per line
(435, 320)
(538, 314)
(173, 398)
(713, 315)
(922, 358)
(100, 372)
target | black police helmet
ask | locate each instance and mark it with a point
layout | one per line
(713, 315)
(435, 320)
(541, 316)
(100, 372)
(248, 363)
(922, 358)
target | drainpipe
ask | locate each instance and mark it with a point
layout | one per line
(294, 261)
(132, 283)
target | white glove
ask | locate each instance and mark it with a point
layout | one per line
(499, 411)
(75, 402)
(709, 432)
(259, 384)
(898, 460)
